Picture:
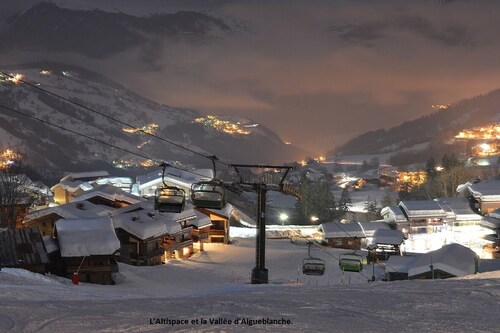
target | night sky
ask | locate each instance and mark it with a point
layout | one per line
(316, 72)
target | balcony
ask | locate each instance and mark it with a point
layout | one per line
(148, 255)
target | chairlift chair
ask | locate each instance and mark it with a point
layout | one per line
(169, 199)
(351, 262)
(209, 193)
(312, 265)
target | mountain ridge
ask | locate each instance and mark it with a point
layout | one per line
(438, 127)
(53, 148)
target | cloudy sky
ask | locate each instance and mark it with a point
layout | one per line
(318, 72)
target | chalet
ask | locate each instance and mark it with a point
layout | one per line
(484, 196)
(426, 220)
(141, 235)
(23, 248)
(73, 184)
(369, 228)
(65, 192)
(424, 216)
(108, 196)
(88, 248)
(179, 243)
(388, 243)
(45, 219)
(394, 216)
(452, 260)
(185, 230)
(345, 236)
(463, 222)
(219, 230)
(201, 229)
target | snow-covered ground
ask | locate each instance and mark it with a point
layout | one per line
(214, 285)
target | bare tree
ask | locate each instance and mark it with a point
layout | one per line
(15, 194)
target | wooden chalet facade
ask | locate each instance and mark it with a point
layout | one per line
(484, 196)
(179, 243)
(388, 243)
(74, 184)
(218, 232)
(340, 235)
(141, 234)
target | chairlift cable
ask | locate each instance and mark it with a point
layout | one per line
(111, 118)
(92, 138)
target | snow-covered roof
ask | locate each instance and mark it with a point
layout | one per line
(86, 237)
(72, 186)
(84, 175)
(490, 222)
(340, 230)
(226, 211)
(393, 214)
(186, 214)
(369, 228)
(70, 210)
(109, 192)
(146, 204)
(454, 259)
(388, 237)
(143, 224)
(486, 191)
(51, 245)
(458, 208)
(422, 209)
(114, 180)
(174, 177)
(201, 220)
(399, 264)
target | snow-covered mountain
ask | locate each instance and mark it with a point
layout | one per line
(98, 34)
(429, 134)
(234, 140)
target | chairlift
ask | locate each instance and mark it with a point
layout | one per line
(351, 262)
(313, 266)
(169, 199)
(209, 193)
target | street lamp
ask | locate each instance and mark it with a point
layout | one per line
(283, 217)
(314, 218)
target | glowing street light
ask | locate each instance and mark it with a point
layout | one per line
(314, 218)
(283, 217)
